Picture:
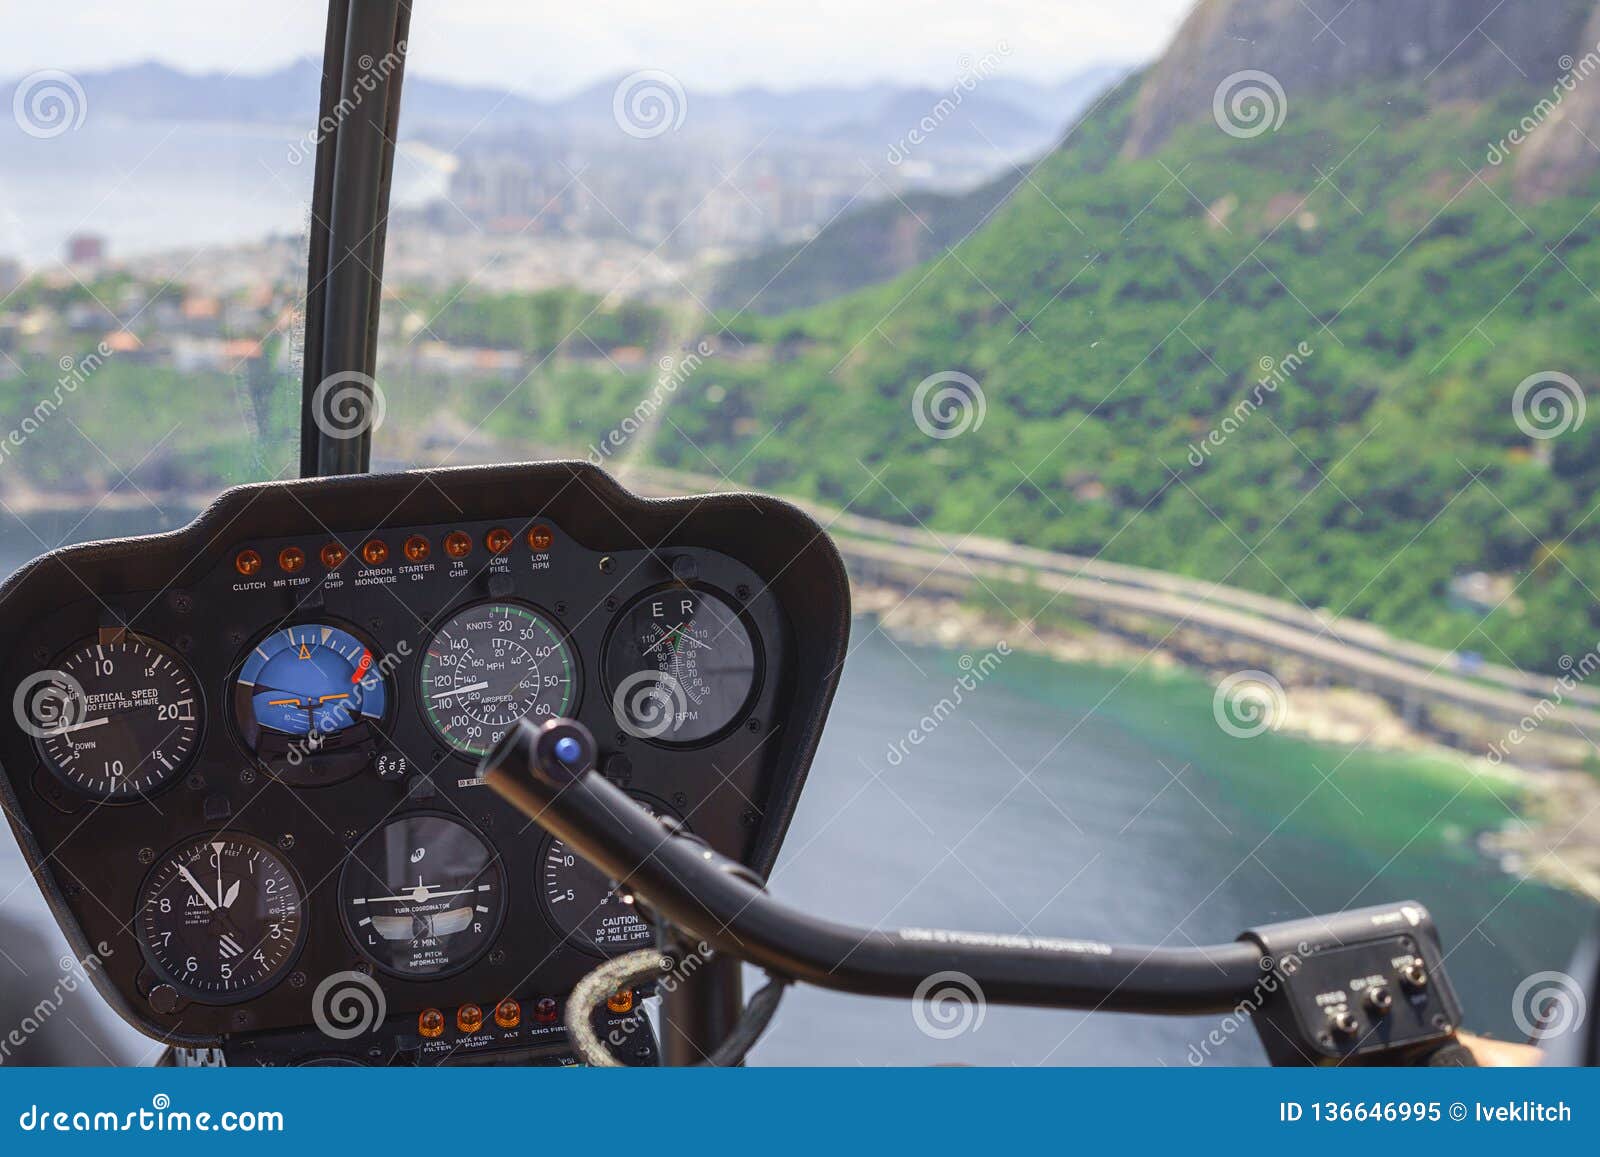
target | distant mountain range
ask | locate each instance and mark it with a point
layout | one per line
(998, 112)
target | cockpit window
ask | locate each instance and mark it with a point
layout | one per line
(1196, 392)
(592, 224)
(155, 180)
(1018, 295)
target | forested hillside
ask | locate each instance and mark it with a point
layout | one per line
(1118, 319)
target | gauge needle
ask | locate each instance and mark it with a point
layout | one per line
(664, 638)
(198, 890)
(682, 637)
(468, 689)
(419, 894)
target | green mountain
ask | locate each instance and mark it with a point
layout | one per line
(1284, 355)
(885, 238)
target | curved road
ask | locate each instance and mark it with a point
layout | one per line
(1357, 652)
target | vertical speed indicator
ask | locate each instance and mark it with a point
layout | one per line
(115, 721)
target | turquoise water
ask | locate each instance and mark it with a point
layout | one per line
(1077, 801)
(1048, 803)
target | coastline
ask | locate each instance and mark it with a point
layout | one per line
(1552, 829)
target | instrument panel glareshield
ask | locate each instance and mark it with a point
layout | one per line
(245, 759)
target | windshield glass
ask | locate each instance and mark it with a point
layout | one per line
(1196, 392)
(1017, 297)
(154, 192)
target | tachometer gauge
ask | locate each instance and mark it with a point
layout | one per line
(489, 666)
(220, 918)
(307, 698)
(682, 666)
(115, 721)
(583, 905)
(423, 896)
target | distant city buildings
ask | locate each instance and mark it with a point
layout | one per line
(690, 205)
(86, 249)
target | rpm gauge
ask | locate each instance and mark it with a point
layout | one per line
(489, 666)
(682, 666)
(221, 918)
(423, 896)
(115, 721)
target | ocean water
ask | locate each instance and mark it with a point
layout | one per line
(1090, 802)
(1067, 801)
(152, 186)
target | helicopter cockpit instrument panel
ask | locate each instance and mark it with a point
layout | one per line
(243, 765)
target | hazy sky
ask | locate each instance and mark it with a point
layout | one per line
(537, 46)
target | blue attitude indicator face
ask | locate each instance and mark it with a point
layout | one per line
(312, 679)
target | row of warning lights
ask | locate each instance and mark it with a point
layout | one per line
(431, 1022)
(375, 552)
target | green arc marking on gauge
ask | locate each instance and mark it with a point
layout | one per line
(489, 666)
